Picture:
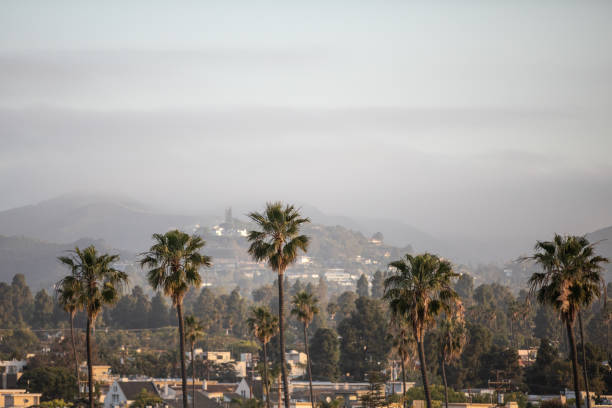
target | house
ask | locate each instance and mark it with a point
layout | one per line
(123, 393)
(527, 356)
(297, 363)
(18, 399)
(13, 366)
(218, 356)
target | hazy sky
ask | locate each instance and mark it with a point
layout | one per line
(474, 121)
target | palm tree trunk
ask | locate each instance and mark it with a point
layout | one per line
(424, 372)
(574, 357)
(445, 382)
(280, 398)
(312, 401)
(403, 377)
(281, 326)
(179, 312)
(193, 392)
(584, 363)
(266, 383)
(89, 364)
(74, 351)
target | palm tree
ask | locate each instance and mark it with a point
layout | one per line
(67, 296)
(264, 326)
(174, 261)
(304, 309)
(417, 292)
(570, 279)
(452, 336)
(94, 283)
(278, 242)
(403, 342)
(193, 332)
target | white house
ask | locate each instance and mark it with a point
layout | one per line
(123, 393)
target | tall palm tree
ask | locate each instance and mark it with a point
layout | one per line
(278, 242)
(403, 343)
(95, 283)
(451, 336)
(193, 332)
(67, 296)
(304, 309)
(174, 261)
(418, 291)
(264, 326)
(570, 278)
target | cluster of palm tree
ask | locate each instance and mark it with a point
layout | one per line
(419, 291)
(91, 284)
(173, 263)
(570, 280)
(419, 294)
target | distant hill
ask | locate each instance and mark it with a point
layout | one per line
(122, 223)
(603, 237)
(37, 260)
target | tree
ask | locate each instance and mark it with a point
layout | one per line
(68, 297)
(193, 332)
(570, 278)
(325, 351)
(96, 284)
(363, 287)
(43, 309)
(278, 242)
(451, 338)
(174, 261)
(159, 315)
(51, 382)
(364, 344)
(378, 284)
(403, 343)
(264, 326)
(418, 291)
(304, 309)
(146, 399)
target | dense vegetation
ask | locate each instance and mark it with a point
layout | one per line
(451, 333)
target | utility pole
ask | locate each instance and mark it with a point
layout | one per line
(500, 386)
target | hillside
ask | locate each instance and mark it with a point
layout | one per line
(120, 222)
(37, 260)
(603, 237)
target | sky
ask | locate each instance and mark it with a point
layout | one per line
(480, 122)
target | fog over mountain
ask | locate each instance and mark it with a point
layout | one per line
(471, 130)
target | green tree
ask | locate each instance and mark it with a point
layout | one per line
(146, 399)
(174, 261)
(570, 278)
(159, 315)
(403, 343)
(364, 345)
(193, 333)
(67, 295)
(264, 326)
(451, 338)
(51, 382)
(97, 284)
(378, 284)
(419, 291)
(43, 309)
(278, 242)
(363, 287)
(325, 351)
(304, 309)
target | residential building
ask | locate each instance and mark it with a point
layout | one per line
(18, 399)
(13, 366)
(123, 393)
